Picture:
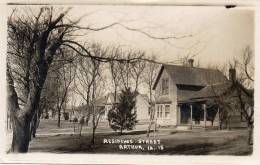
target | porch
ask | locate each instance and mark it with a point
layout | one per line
(192, 115)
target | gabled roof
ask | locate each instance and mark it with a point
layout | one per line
(191, 75)
(145, 96)
(101, 101)
(112, 97)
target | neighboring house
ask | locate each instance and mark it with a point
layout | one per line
(77, 112)
(183, 93)
(142, 106)
(84, 110)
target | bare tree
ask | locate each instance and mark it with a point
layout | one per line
(97, 87)
(66, 76)
(45, 32)
(137, 69)
(149, 76)
(125, 73)
(114, 67)
(239, 96)
(89, 86)
(38, 36)
(242, 85)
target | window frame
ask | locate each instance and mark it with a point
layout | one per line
(169, 111)
(165, 86)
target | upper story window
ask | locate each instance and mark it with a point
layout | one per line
(165, 86)
(167, 111)
(158, 111)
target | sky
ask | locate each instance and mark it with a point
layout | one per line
(217, 34)
(214, 35)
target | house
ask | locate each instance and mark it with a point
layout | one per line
(142, 106)
(183, 95)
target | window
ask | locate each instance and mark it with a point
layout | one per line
(161, 113)
(165, 86)
(167, 111)
(158, 111)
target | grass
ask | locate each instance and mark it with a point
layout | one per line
(195, 142)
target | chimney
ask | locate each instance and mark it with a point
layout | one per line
(190, 62)
(232, 74)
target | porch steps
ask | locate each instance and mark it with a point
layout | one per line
(183, 127)
(188, 127)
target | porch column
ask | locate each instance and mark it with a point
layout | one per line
(205, 114)
(218, 118)
(178, 114)
(191, 116)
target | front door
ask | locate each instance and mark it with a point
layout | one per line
(184, 114)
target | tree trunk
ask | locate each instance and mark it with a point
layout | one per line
(35, 123)
(59, 114)
(21, 135)
(149, 128)
(152, 114)
(93, 135)
(33, 126)
(81, 125)
(250, 133)
(23, 118)
(121, 131)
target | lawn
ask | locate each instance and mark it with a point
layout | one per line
(171, 141)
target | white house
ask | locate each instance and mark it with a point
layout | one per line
(182, 94)
(142, 106)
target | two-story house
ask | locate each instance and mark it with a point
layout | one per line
(176, 86)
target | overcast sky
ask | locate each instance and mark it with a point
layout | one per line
(219, 34)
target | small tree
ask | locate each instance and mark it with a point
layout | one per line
(123, 116)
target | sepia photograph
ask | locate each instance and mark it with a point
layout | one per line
(130, 79)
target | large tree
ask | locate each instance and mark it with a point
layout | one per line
(37, 37)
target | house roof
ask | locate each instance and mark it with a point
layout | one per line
(222, 89)
(213, 90)
(112, 95)
(145, 96)
(101, 101)
(191, 75)
(207, 92)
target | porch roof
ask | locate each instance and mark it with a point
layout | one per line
(183, 95)
(205, 94)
